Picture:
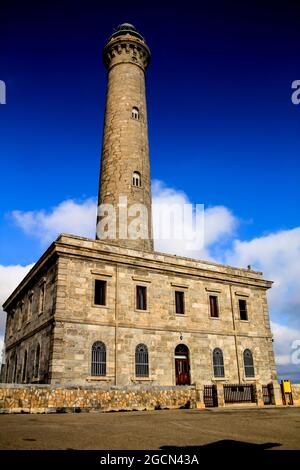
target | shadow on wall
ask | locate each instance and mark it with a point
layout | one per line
(226, 445)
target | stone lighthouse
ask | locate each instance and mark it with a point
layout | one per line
(113, 312)
(124, 204)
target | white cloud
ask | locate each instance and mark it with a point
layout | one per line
(219, 223)
(277, 255)
(284, 337)
(77, 218)
(10, 277)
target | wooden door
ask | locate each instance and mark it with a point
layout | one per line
(182, 371)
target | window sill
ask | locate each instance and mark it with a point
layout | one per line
(181, 315)
(251, 379)
(220, 379)
(95, 378)
(244, 321)
(214, 318)
(139, 310)
(100, 306)
(141, 379)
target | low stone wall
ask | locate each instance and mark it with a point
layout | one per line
(47, 398)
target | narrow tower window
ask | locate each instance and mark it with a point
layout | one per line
(135, 113)
(136, 179)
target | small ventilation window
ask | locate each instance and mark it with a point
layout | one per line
(135, 113)
(141, 298)
(136, 179)
(214, 308)
(243, 309)
(100, 292)
(179, 302)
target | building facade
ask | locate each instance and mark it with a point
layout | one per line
(114, 311)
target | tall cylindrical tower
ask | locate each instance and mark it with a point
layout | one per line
(125, 170)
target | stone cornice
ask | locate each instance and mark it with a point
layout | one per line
(74, 246)
(161, 262)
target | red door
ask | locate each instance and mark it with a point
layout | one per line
(182, 366)
(182, 371)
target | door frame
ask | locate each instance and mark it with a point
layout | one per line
(183, 355)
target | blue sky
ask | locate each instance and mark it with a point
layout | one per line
(222, 126)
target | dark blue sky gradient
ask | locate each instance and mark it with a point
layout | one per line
(222, 126)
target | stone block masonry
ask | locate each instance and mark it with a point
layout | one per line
(48, 399)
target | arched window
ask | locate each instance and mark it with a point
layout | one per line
(24, 374)
(37, 361)
(98, 359)
(141, 361)
(248, 363)
(136, 179)
(135, 113)
(218, 363)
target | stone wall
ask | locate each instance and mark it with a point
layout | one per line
(47, 399)
(121, 327)
(30, 323)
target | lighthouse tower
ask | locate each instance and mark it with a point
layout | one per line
(125, 187)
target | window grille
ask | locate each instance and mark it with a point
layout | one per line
(248, 363)
(141, 361)
(218, 363)
(98, 359)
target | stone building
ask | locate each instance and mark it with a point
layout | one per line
(113, 310)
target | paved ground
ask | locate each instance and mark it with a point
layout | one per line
(265, 428)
